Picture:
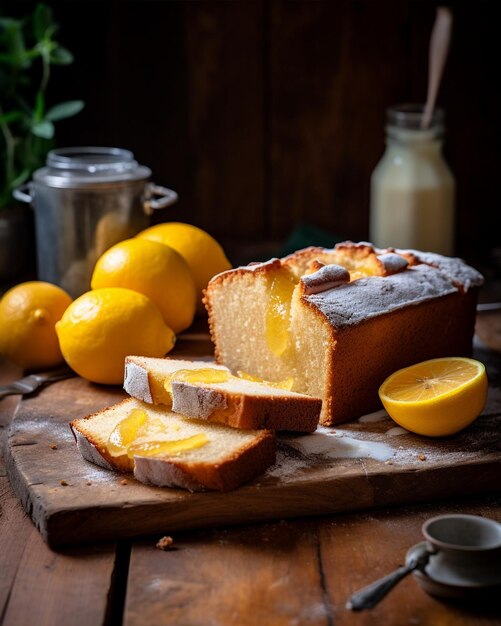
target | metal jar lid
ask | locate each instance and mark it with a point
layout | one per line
(90, 166)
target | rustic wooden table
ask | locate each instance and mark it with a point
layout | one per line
(282, 573)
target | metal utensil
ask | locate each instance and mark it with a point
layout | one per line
(369, 596)
(488, 306)
(31, 383)
(439, 47)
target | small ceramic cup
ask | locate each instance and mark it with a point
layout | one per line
(467, 548)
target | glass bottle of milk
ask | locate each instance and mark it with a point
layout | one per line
(412, 187)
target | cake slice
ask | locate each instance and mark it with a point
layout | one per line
(339, 321)
(168, 450)
(207, 391)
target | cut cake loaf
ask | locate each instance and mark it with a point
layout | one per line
(235, 402)
(220, 458)
(339, 321)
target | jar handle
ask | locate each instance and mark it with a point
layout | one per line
(165, 197)
(24, 193)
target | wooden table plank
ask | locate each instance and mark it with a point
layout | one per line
(293, 573)
(15, 526)
(69, 587)
(15, 529)
(37, 584)
(266, 574)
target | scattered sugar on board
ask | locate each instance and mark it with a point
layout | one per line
(328, 446)
(396, 431)
(336, 445)
(378, 416)
(287, 465)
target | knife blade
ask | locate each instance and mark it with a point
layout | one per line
(31, 383)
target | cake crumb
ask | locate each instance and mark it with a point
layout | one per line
(422, 457)
(53, 446)
(63, 483)
(124, 482)
(165, 543)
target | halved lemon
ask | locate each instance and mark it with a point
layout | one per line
(436, 398)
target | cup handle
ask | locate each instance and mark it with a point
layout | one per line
(24, 193)
(157, 197)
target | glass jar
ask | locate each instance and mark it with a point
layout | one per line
(412, 187)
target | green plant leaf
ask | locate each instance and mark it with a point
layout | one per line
(42, 20)
(43, 129)
(11, 116)
(39, 107)
(46, 47)
(64, 110)
(12, 34)
(61, 56)
(21, 178)
(28, 49)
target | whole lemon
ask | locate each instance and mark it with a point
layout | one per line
(154, 270)
(202, 252)
(104, 326)
(28, 314)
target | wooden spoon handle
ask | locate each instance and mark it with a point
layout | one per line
(439, 47)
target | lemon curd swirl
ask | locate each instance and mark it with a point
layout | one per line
(278, 313)
(202, 375)
(278, 308)
(140, 434)
(211, 375)
(286, 384)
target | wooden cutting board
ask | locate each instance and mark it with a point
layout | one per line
(370, 462)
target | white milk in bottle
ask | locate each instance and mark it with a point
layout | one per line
(412, 187)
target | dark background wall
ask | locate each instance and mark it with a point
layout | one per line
(267, 114)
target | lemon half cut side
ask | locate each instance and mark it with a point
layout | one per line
(438, 397)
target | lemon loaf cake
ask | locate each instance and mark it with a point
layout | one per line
(339, 321)
(207, 391)
(168, 450)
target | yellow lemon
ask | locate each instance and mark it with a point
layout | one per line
(202, 252)
(104, 326)
(28, 314)
(156, 271)
(438, 397)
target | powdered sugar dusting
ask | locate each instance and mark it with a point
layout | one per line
(392, 262)
(454, 268)
(136, 382)
(371, 296)
(254, 267)
(325, 278)
(90, 452)
(195, 401)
